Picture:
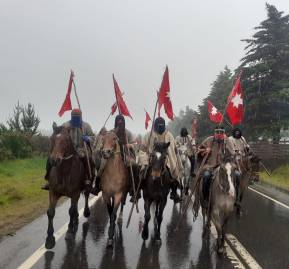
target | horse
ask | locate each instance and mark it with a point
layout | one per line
(221, 201)
(245, 166)
(114, 180)
(186, 171)
(156, 187)
(66, 178)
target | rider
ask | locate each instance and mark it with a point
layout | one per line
(215, 146)
(80, 132)
(161, 135)
(239, 143)
(184, 139)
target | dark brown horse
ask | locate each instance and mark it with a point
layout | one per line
(156, 187)
(114, 180)
(66, 178)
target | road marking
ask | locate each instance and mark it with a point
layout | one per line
(41, 251)
(229, 252)
(268, 197)
(245, 255)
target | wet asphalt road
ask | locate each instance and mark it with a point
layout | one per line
(263, 230)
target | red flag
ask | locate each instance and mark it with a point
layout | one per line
(164, 96)
(148, 118)
(194, 128)
(113, 108)
(119, 100)
(66, 106)
(215, 115)
(235, 106)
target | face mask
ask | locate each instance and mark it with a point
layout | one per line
(219, 137)
(76, 121)
(237, 135)
(160, 128)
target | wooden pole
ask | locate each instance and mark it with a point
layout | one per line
(85, 146)
(147, 149)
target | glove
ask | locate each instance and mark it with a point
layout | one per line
(86, 138)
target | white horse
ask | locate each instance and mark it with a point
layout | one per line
(185, 177)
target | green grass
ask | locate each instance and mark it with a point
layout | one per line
(279, 177)
(21, 198)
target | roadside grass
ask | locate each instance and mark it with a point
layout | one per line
(279, 177)
(21, 197)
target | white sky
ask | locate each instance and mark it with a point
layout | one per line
(40, 41)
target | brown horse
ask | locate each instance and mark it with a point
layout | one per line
(114, 180)
(66, 178)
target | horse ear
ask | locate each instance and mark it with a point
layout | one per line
(54, 126)
(168, 144)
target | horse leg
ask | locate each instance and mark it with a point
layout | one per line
(120, 216)
(145, 231)
(113, 213)
(160, 219)
(73, 214)
(50, 239)
(86, 212)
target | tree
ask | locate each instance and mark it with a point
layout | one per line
(24, 120)
(265, 77)
(30, 121)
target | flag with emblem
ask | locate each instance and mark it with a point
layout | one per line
(66, 106)
(214, 113)
(164, 96)
(235, 105)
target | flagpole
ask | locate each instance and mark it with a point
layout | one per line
(85, 146)
(144, 175)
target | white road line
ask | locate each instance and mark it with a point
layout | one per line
(229, 252)
(41, 251)
(249, 260)
(268, 197)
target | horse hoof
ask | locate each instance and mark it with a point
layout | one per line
(109, 244)
(50, 242)
(159, 241)
(69, 235)
(86, 212)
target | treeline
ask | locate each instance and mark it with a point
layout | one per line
(265, 82)
(19, 137)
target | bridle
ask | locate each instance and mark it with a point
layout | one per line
(110, 153)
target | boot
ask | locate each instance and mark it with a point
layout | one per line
(45, 186)
(174, 196)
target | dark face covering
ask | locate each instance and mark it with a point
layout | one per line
(160, 125)
(119, 125)
(76, 121)
(184, 132)
(237, 133)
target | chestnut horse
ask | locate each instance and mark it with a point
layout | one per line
(114, 179)
(66, 178)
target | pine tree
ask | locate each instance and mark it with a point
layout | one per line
(30, 121)
(265, 77)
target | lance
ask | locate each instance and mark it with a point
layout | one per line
(198, 179)
(85, 146)
(144, 175)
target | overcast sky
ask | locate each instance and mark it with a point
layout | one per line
(40, 41)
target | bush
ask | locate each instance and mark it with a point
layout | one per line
(15, 145)
(40, 144)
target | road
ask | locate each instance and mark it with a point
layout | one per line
(258, 239)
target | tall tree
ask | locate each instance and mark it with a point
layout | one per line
(30, 121)
(265, 77)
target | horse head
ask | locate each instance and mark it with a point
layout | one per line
(158, 159)
(110, 145)
(226, 177)
(61, 145)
